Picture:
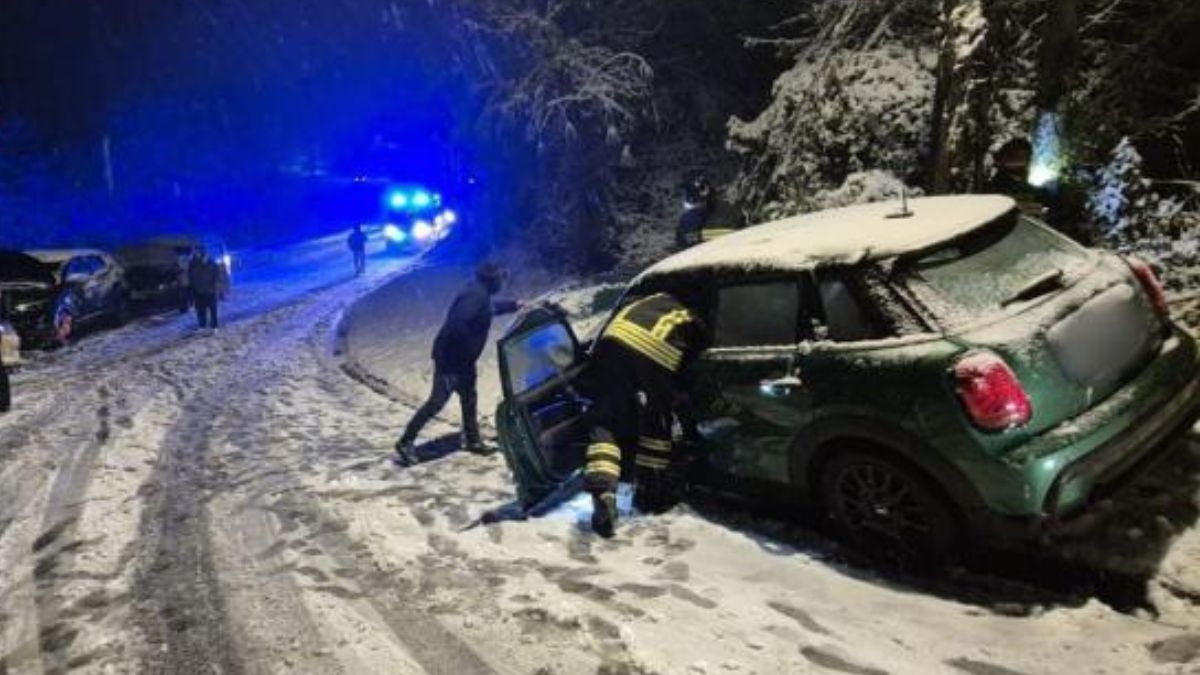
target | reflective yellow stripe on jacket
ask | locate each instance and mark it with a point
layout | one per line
(603, 458)
(710, 233)
(649, 334)
(643, 341)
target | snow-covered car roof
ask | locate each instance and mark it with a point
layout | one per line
(53, 256)
(844, 235)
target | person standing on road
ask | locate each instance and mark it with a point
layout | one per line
(205, 281)
(637, 363)
(5, 392)
(456, 349)
(357, 241)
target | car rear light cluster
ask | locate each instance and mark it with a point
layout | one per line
(991, 393)
(1151, 286)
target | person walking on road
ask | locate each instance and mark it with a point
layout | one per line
(357, 241)
(456, 349)
(205, 282)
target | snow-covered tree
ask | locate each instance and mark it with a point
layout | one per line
(858, 99)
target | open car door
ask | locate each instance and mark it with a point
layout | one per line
(541, 421)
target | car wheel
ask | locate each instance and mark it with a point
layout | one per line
(64, 325)
(887, 510)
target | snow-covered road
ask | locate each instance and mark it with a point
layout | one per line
(175, 503)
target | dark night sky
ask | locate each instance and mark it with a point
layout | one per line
(272, 72)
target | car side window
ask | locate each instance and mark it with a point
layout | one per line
(74, 267)
(758, 314)
(96, 265)
(847, 316)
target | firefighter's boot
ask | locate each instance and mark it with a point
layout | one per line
(604, 514)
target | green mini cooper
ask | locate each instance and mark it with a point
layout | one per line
(919, 373)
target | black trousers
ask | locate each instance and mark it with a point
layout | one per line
(445, 384)
(360, 262)
(206, 310)
(5, 394)
(630, 420)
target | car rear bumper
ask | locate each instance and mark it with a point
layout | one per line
(1095, 454)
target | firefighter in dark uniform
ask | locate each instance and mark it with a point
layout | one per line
(636, 363)
(705, 215)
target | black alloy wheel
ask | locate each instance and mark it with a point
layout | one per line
(887, 510)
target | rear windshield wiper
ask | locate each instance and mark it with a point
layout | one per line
(1047, 283)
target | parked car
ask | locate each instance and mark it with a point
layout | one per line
(49, 295)
(156, 274)
(952, 371)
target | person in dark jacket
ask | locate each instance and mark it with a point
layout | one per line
(637, 363)
(456, 348)
(705, 215)
(357, 241)
(5, 392)
(205, 282)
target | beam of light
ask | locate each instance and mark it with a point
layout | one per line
(1047, 164)
(394, 233)
(422, 230)
(449, 216)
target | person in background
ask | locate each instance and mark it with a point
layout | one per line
(5, 391)
(357, 241)
(456, 349)
(1012, 162)
(205, 281)
(705, 215)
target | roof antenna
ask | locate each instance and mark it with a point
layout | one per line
(903, 212)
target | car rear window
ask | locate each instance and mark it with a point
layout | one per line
(983, 273)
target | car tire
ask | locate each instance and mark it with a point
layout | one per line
(887, 510)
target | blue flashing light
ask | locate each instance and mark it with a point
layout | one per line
(399, 200)
(394, 233)
(421, 199)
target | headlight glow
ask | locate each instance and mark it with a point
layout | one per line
(393, 233)
(422, 230)
(449, 216)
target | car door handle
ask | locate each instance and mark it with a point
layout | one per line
(781, 386)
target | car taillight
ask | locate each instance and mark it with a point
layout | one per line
(990, 392)
(1150, 284)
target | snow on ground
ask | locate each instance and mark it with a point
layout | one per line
(703, 589)
(224, 504)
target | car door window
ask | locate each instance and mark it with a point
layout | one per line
(75, 268)
(538, 356)
(758, 314)
(847, 317)
(96, 266)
